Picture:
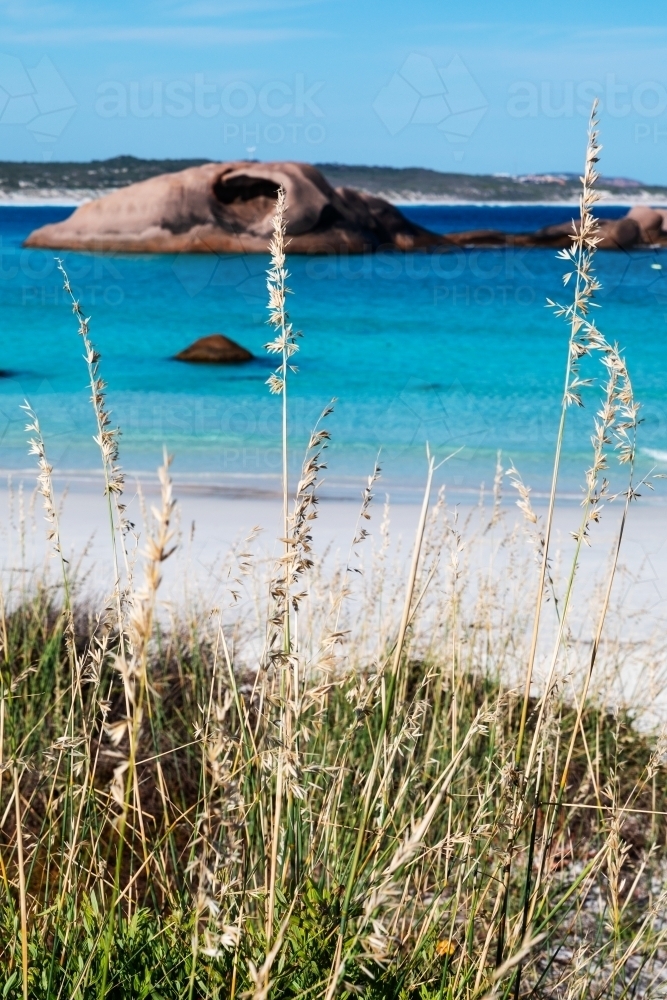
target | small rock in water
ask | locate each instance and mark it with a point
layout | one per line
(214, 350)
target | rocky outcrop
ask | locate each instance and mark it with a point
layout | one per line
(651, 221)
(642, 226)
(616, 234)
(214, 350)
(228, 208)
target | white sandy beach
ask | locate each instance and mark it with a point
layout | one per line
(73, 198)
(213, 519)
(210, 522)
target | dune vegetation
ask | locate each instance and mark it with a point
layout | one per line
(398, 778)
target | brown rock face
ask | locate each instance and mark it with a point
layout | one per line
(620, 235)
(614, 234)
(649, 220)
(641, 225)
(228, 208)
(214, 350)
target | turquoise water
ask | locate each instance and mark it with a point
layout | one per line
(457, 349)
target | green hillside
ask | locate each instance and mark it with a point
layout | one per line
(396, 183)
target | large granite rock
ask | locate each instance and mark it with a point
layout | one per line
(651, 221)
(214, 350)
(618, 234)
(228, 208)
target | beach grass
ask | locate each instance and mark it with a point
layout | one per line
(410, 778)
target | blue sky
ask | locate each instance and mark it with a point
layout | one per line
(477, 86)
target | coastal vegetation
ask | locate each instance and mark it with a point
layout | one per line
(393, 778)
(395, 183)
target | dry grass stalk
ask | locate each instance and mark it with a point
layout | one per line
(22, 884)
(133, 670)
(340, 825)
(584, 242)
(284, 344)
(107, 441)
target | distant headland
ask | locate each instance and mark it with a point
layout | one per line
(64, 182)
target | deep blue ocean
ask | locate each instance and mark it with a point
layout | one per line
(456, 349)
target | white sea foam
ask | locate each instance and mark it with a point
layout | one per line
(656, 454)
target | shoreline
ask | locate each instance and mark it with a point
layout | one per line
(210, 526)
(340, 489)
(74, 199)
(612, 201)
